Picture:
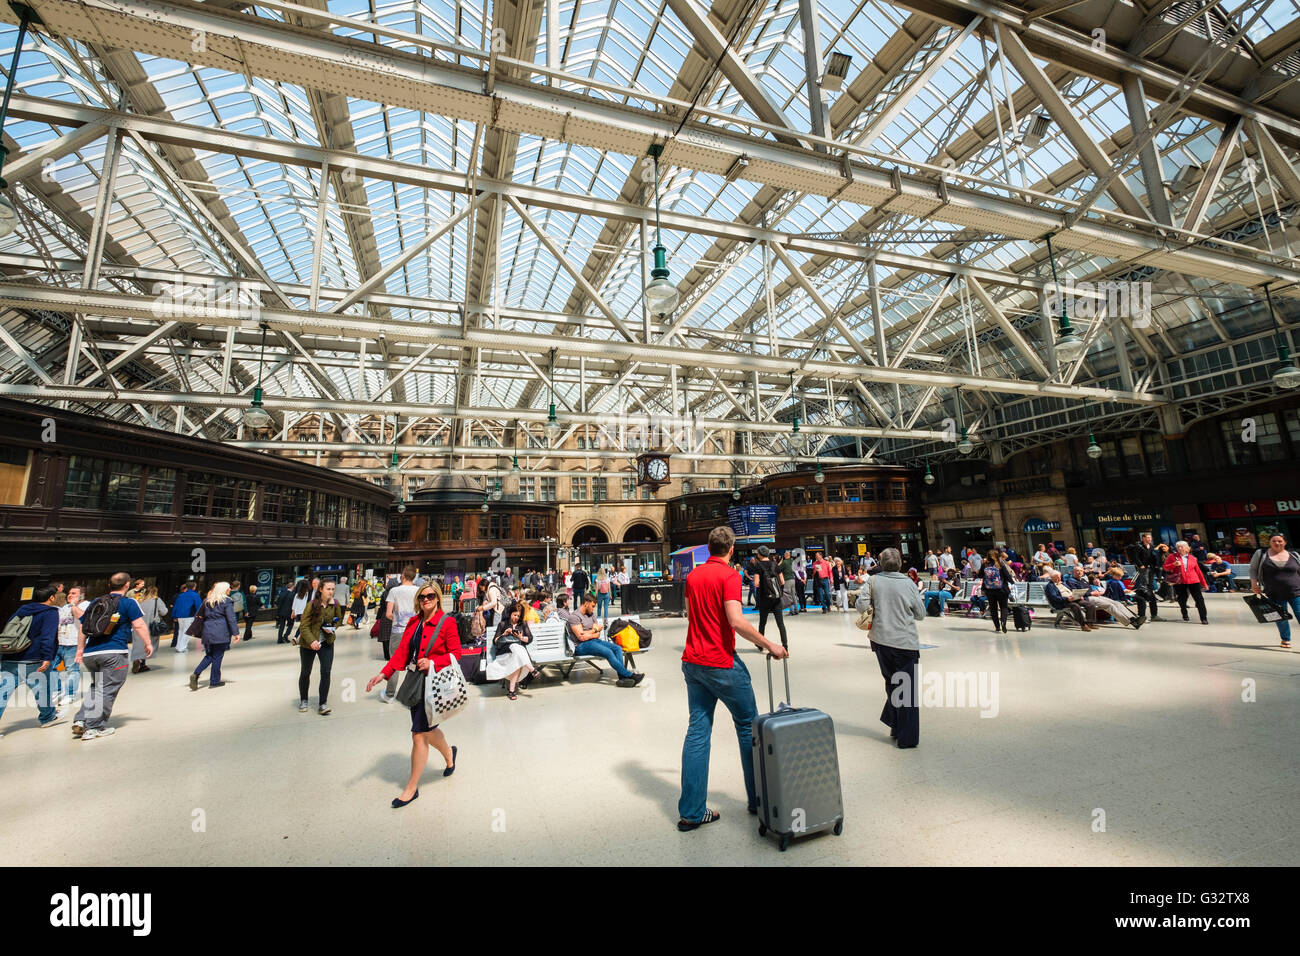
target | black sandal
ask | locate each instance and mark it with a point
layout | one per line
(513, 695)
(709, 817)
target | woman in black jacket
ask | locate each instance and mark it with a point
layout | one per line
(996, 579)
(220, 629)
(511, 648)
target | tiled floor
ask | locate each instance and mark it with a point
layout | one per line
(1147, 729)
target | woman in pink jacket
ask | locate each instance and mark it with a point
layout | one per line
(1184, 572)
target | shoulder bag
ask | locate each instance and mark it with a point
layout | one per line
(445, 692)
(196, 626)
(411, 691)
(867, 616)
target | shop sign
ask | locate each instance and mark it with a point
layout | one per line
(1038, 525)
(1288, 507)
(862, 550)
(1126, 517)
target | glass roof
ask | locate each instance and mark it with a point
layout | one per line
(641, 48)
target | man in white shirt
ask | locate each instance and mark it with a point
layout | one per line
(946, 560)
(400, 608)
(931, 561)
(975, 561)
(868, 562)
(69, 630)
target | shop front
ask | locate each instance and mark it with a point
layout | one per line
(1237, 528)
(1114, 529)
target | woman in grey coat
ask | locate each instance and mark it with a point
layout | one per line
(897, 607)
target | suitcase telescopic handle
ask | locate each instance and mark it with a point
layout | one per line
(785, 663)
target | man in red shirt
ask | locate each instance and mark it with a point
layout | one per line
(714, 616)
(822, 570)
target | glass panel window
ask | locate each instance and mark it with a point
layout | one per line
(1268, 436)
(85, 482)
(399, 528)
(197, 491)
(599, 489)
(1110, 463)
(579, 485)
(629, 489)
(647, 493)
(271, 495)
(1292, 419)
(834, 493)
(160, 491)
(1239, 452)
(223, 497)
(548, 489)
(493, 527)
(122, 491)
(246, 501)
(1131, 448)
(1153, 446)
(798, 495)
(293, 506)
(814, 494)
(868, 491)
(534, 527)
(528, 488)
(899, 491)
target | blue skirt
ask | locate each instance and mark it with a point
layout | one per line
(420, 720)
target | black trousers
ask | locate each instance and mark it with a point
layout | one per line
(1183, 590)
(998, 609)
(249, 618)
(1145, 592)
(801, 592)
(902, 711)
(283, 625)
(765, 608)
(308, 656)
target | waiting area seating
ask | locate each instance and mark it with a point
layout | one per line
(552, 646)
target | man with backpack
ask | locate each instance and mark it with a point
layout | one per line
(767, 582)
(30, 641)
(105, 643)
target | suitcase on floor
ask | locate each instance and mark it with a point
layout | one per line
(796, 769)
(1020, 617)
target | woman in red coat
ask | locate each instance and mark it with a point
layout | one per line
(1183, 571)
(436, 638)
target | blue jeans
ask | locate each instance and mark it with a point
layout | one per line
(13, 673)
(602, 606)
(705, 686)
(941, 595)
(1284, 627)
(69, 682)
(606, 649)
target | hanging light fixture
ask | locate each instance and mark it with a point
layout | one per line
(255, 416)
(929, 476)
(1286, 375)
(514, 469)
(1068, 345)
(964, 444)
(819, 477)
(1093, 450)
(401, 506)
(660, 293)
(9, 215)
(496, 492)
(552, 423)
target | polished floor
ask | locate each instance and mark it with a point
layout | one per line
(1110, 748)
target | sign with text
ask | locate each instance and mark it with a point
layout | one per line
(1038, 525)
(753, 521)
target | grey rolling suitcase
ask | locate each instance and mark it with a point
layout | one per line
(796, 769)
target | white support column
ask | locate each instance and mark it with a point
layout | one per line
(813, 64)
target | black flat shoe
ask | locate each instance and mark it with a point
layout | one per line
(447, 772)
(709, 817)
(398, 802)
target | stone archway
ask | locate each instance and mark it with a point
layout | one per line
(589, 533)
(641, 531)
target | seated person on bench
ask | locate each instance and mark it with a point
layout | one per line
(938, 590)
(586, 638)
(1060, 599)
(1116, 609)
(1218, 573)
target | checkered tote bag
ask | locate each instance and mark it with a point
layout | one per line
(445, 692)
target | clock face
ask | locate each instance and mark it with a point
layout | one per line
(657, 469)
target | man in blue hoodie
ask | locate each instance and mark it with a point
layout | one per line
(184, 608)
(32, 666)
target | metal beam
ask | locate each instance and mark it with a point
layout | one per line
(1027, 352)
(1209, 184)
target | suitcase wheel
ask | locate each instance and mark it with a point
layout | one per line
(762, 829)
(839, 827)
(785, 842)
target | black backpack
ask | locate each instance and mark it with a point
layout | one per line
(933, 608)
(99, 621)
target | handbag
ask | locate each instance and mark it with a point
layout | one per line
(445, 692)
(196, 626)
(411, 691)
(867, 616)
